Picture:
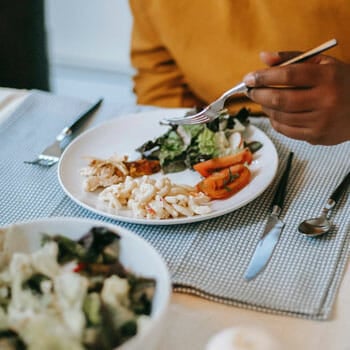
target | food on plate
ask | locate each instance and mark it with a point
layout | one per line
(215, 164)
(146, 197)
(212, 149)
(70, 294)
(155, 198)
(182, 146)
(224, 176)
(225, 182)
(101, 173)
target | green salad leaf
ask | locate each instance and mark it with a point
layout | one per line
(182, 146)
(207, 144)
(172, 147)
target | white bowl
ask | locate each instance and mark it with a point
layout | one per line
(136, 255)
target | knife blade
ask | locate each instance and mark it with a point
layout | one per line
(51, 154)
(68, 130)
(273, 228)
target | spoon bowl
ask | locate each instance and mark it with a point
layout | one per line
(321, 225)
(315, 226)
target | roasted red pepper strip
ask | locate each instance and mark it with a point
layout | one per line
(212, 165)
(225, 183)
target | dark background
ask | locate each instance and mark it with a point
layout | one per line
(23, 49)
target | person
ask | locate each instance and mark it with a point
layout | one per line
(187, 53)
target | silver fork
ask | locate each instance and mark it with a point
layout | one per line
(51, 154)
(213, 110)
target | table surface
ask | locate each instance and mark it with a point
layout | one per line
(192, 321)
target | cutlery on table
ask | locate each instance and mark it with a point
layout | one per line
(51, 154)
(213, 110)
(273, 228)
(321, 225)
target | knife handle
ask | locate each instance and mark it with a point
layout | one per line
(341, 188)
(68, 130)
(282, 185)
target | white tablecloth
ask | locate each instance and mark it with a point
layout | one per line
(192, 321)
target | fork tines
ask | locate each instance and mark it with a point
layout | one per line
(46, 161)
(198, 118)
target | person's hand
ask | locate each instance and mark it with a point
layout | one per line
(307, 101)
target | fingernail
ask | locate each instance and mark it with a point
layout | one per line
(275, 55)
(269, 55)
(249, 79)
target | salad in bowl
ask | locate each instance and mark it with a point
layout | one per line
(79, 284)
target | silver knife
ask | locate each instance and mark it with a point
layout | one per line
(273, 229)
(68, 130)
(51, 154)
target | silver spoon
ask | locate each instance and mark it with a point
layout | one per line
(321, 225)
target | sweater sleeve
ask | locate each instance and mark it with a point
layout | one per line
(158, 80)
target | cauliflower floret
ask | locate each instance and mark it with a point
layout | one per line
(115, 295)
(115, 291)
(47, 332)
(45, 260)
(71, 289)
(20, 267)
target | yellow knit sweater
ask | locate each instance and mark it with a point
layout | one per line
(188, 52)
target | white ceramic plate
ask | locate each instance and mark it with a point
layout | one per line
(137, 255)
(122, 135)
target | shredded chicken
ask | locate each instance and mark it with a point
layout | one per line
(103, 173)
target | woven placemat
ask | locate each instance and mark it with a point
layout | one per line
(206, 258)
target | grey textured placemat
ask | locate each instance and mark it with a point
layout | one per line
(207, 258)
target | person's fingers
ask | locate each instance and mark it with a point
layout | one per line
(270, 58)
(285, 99)
(301, 74)
(275, 58)
(303, 126)
(299, 120)
(306, 74)
(297, 133)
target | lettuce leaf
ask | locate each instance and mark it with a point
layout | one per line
(185, 145)
(207, 144)
(172, 147)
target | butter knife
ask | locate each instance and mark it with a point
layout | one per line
(273, 228)
(51, 154)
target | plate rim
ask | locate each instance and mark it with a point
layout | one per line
(173, 221)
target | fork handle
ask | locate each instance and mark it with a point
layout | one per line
(310, 53)
(68, 130)
(239, 88)
(242, 88)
